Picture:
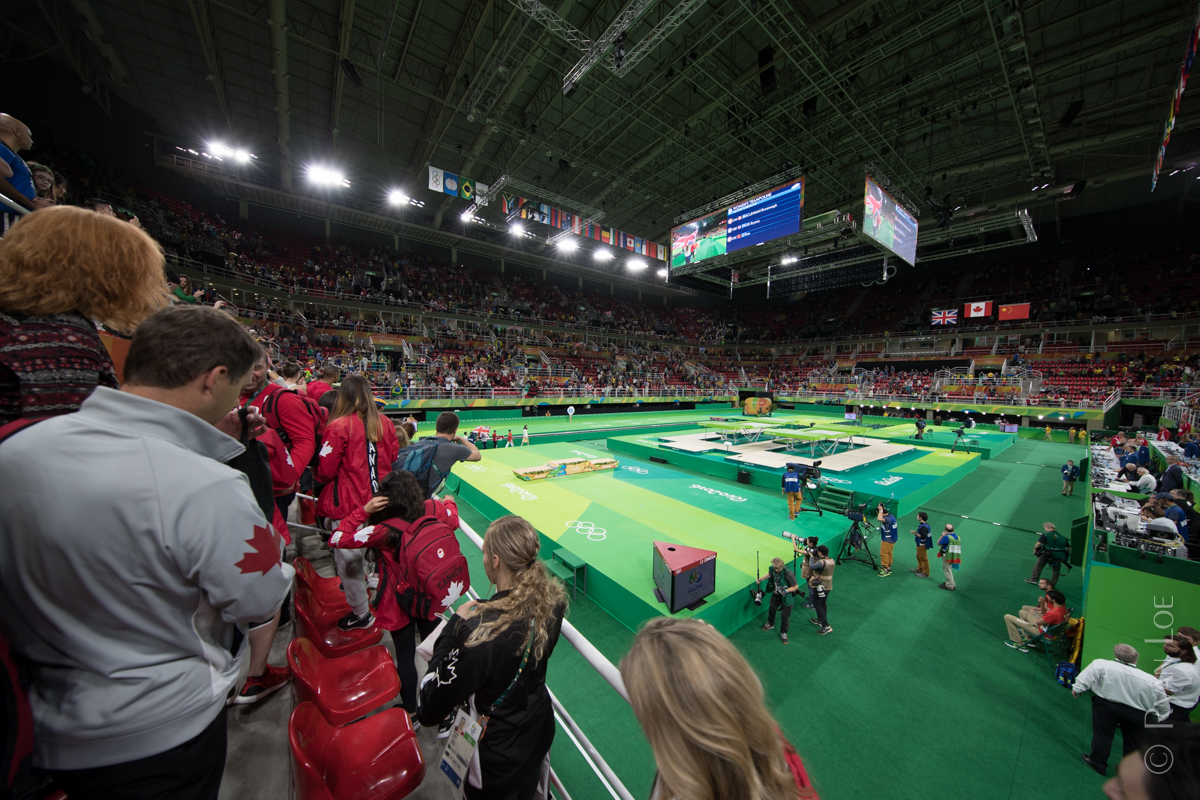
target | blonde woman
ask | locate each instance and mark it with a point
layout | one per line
(701, 706)
(494, 653)
(357, 451)
(62, 270)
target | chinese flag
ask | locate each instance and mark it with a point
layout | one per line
(1014, 311)
(978, 309)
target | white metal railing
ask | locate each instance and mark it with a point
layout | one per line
(552, 393)
(13, 206)
(602, 665)
(1112, 400)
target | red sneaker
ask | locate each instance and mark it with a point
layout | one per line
(255, 689)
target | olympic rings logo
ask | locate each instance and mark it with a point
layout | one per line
(589, 530)
(637, 470)
(476, 468)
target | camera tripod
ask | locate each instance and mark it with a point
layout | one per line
(810, 495)
(960, 440)
(854, 541)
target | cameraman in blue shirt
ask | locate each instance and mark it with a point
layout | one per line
(791, 490)
(889, 534)
(924, 541)
(1070, 474)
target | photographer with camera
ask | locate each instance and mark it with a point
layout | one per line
(889, 534)
(920, 434)
(781, 583)
(807, 553)
(820, 584)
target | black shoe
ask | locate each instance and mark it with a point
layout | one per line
(808, 605)
(353, 622)
(1101, 769)
(1031, 580)
(768, 626)
(816, 622)
(445, 726)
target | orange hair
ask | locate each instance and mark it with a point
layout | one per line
(66, 259)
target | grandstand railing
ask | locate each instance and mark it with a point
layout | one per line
(861, 398)
(13, 206)
(546, 393)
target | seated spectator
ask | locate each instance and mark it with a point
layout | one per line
(1020, 631)
(729, 745)
(131, 667)
(1033, 614)
(1130, 473)
(1145, 484)
(63, 271)
(495, 653)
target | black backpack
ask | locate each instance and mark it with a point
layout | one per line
(417, 458)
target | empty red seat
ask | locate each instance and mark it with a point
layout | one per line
(377, 758)
(328, 591)
(319, 625)
(345, 688)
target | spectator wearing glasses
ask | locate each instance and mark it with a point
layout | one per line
(131, 666)
(62, 271)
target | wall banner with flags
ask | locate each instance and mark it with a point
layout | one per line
(948, 317)
(511, 205)
(1014, 311)
(978, 309)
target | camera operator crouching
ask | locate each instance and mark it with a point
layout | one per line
(782, 585)
(820, 584)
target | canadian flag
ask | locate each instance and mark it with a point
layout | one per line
(978, 309)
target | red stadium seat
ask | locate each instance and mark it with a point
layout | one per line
(319, 625)
(327, 590)
(346, 688)
(377, 758)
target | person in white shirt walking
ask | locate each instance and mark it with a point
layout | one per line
(1122, 697)
(525, 436)
(1180, 677)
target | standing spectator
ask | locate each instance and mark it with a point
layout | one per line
(781, 584)
(132, 666)
(1051, 548)
(453, 450)
(1019, 629)
(950, 552)
(1122, 697)
(889, 534)
(1180, 677)
(495, 653)
(1070, 474)
(731, 746)
(1172, 477)
(329, 376)
(820, 584)
(185, 292)
(357, 441)
(285, 413)
(61, 272)
(924, 541)
(43, 181)
(16, 182)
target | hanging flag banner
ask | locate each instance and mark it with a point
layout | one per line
(1185, 70)
(978, 309)
(1014, 311)
(949, 317)
(481, 190)
(435, 179)
(450, 184)
(466, 188)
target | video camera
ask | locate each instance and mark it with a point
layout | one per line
(808, 472)
(855, 513)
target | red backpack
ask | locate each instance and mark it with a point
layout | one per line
(433, 570)
(316, 415)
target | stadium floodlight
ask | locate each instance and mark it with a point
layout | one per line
(397, 198)
(222, 151)
(662, 273)
(466, 216)
(517, 229)
(790, 259)
(567, 245)
(326, 176)
(603, 255)
(636, 264)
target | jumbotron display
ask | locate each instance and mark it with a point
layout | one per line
(770, 215)
(886, 221)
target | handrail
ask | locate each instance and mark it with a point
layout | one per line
(13, 205)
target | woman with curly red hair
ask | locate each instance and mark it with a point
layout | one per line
(62, 271)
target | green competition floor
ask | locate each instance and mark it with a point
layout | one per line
(914, 695)
(989, 445)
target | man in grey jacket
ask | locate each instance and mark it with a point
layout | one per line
(130, 559)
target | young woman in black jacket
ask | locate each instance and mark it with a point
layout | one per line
(484, 647)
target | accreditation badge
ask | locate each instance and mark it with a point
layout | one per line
(460, 749)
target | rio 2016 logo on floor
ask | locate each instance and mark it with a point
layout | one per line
(589, 530)
(732, 497)
(517, 490)
(889, 480)
(585, 455)
(637, 470)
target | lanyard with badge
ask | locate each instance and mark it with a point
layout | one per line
(469, 727)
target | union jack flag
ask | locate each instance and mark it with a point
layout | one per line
(945, 317)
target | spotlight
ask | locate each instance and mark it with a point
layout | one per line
(662, 273)
(326, 176)
(517, 229)
(603, 255)
(635, 264)
(567, 245)
(790, 259)
(397, 197)
(466, 216)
